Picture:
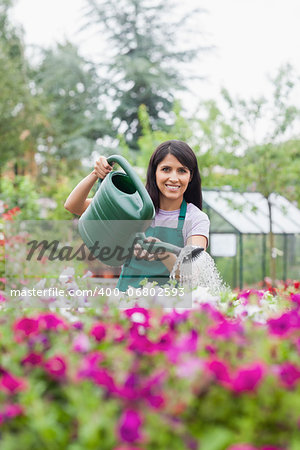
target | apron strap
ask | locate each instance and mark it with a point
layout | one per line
(182, 214)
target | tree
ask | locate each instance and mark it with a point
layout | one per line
(68, 90)
(254, 140)
(144, 66)
(15, 101)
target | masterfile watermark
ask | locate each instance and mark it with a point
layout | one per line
(37, 249)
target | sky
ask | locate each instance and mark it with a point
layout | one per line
(252, 39)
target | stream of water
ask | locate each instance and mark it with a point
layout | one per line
(198, 271)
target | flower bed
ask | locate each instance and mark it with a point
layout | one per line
(225, 375)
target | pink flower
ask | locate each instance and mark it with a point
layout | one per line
(189, 367)
(174, 318)
(11, 384)
(12, 410)
(249, 293)
(2, 298)
(129, 426)
(77, 325)
(284, 324)
(51, 321)
(246, 379)
(98, 331)
(151, 390)
(25, 327)
(138, 316)
(118, 333)
(90, 364)
(32, 359)
(185, 344)
(289, 374)
(295, 298)
(102, 377)
(226, 330)
(141, 344)
(81, 343)
(219, 369)
(56, 367)
(165, 341)
(270, 447)
(214, 313)
(242, 447)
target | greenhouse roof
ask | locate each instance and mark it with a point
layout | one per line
(247, 212)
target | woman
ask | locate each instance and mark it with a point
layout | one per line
(174, 185)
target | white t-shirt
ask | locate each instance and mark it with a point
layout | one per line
(196, 221)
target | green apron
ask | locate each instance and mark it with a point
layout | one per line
(134, 270)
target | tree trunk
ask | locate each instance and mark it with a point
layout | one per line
(271, 242)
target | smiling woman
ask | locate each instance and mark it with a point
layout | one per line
(174, 185)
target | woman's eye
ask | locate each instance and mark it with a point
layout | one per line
(165, 169)
(182, 170)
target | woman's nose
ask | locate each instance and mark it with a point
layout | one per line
(173, 176)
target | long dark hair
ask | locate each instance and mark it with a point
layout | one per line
(187, 157)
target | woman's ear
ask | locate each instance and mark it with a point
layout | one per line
(191, 176)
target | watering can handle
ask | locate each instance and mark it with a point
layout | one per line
(135, 179)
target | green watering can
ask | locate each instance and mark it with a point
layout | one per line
(120, 208)
(118, 216)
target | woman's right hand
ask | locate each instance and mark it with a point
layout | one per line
(102, 168)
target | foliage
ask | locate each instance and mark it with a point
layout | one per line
(145, 56)
(68, 88)
(220, 375)
(15, 105)
(21, 192)
(150, 139)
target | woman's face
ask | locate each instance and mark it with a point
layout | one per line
(172, 178)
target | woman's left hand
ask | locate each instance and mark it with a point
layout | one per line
(141, 253)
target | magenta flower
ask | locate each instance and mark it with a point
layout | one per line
(189, 367)
(141, 344)
(249, 293)
(140, 317)
(129, 426)
(185, 344)
(32, 359)
(242, 447)
(51, 321)
(174, 318)
(118, 333)
(11, 384)
(12, 410)
(214, 313)
(289, 374)
(81, 343)
(284, 324)
(56, 367)
(25, 327)
(151, 390)
(246, 379)
(102, 377)
(219, 369)
(131, 388)
(165, 341)
(90, 364)
(226, 330)
(295, 298)
(98, 331)
(270, 447)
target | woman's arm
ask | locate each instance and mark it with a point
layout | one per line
(77, 202)
(168, 258)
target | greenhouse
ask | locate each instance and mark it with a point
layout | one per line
(239, 235)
